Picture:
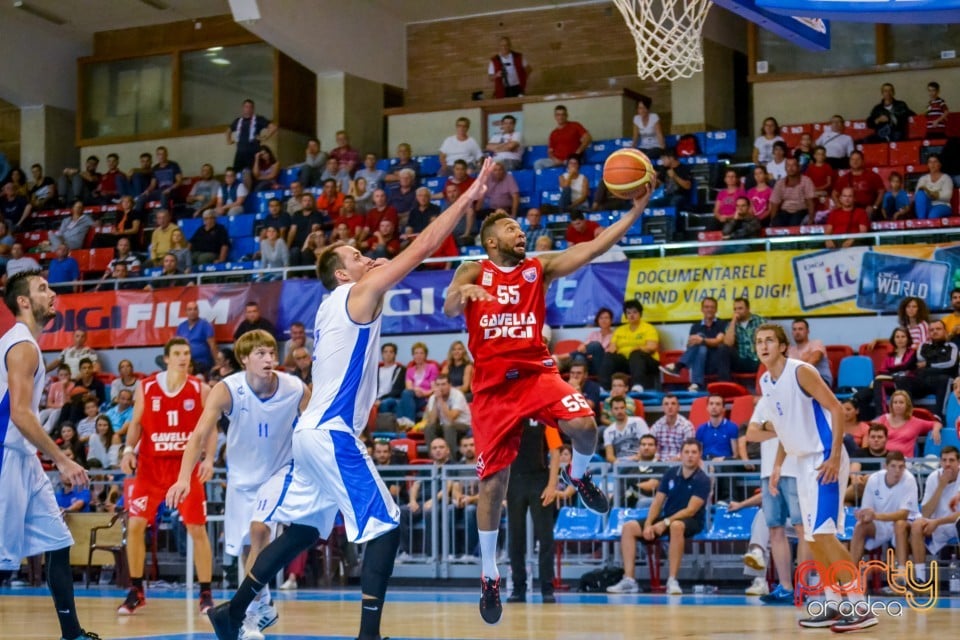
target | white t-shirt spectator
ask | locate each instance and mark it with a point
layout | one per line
(765, 148)
(455, 401)
(625, 442)
(943, 507)
(837, 145)
(777, 170)
(883, 499)
(943, 187)
(648, 134)
(501, 138)
(16, 265)
(467, 150)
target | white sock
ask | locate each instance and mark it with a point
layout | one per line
(833, 594)
(488, 553)
(578, 466)
(920, 571)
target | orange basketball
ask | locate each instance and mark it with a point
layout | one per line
(626, 172)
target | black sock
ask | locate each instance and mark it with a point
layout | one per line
(204, 586)
(60, 582)
(371, 609)
(137, 583)
(278, 554)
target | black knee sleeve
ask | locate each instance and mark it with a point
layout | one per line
(378, 559)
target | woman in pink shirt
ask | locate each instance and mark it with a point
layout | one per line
(853, 426)
(57, 396)
(420, 376)
(725, 207)
(760, 195)
(592, 349)
(903, 428)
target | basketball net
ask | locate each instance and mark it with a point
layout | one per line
(668, 40)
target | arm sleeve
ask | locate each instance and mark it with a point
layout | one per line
(552, 434)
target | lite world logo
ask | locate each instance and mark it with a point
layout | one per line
(920, 596)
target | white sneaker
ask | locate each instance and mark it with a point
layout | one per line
(626, 585)
(673, 587)
(404, 557)
(405, 422)
(754, 559)
(263, 616)
(637, 388)
(758, 587)
(290, 584)
(693, 388)
(249, 630)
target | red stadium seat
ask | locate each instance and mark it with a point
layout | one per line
(877, 352)
(564, 347)
(728, 390)
(742, 410)
(407, 446)
(836, 353)
(698, 411)
(669, 357)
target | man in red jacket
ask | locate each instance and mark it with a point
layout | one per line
(508, 71)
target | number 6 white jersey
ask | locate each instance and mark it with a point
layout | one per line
(10, 435)
(345, 359)
(803, 426)
(259, 438)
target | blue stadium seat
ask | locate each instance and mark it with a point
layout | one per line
(435, 184)
(240, 247)
(948, 436)
(557, 219)
(240, 225)
(550, 197)
(525, 180)
(288, 175)
(577, 524)
(231, 266)
(548, 179)
(952, 412)
(729, 526)
(855, 372)
(189, 226)
(599, 151)
(471, 250)
(618, 517)
(429, 165)
(532, 154)
(594, 173)
(384, 164)
(720, 142)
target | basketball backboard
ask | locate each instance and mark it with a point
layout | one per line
(880, 11)
(810, 32)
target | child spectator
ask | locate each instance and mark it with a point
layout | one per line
(936, 112)
(777, 167)
(804, 152)
(87, 427)
(896, 201)
(823, 175)
(725, 206)
(760, 195)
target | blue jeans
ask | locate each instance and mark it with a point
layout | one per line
(388, 405)
(592, 358)
(927, 208)
(409, 405)
(701, 359)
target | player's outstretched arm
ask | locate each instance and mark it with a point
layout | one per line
(380, 280)
(461, 289)
(556, 265)
(217, 403)
(22, 361)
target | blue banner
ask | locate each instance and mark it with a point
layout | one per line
(885, 279)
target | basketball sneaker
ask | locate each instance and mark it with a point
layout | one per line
(855, 623)
(135, 600)
(592, 497)
(249, 631)
(824, 620)
(490, 607)
(206, 602)
(84, 635)
(265, 615)
(225, 627)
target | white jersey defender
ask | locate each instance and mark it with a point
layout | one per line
(804, 428)
(31, 523)
(332, 470)
(259, 453)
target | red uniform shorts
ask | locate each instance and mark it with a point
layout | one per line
(499, 411)
(149, 491)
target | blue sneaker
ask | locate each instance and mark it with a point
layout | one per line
(778, 596)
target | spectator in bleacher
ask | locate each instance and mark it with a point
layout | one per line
(18, 179)
(813, 352)
(123, 255)
(276, 217)
(952, 320)
(804, 151)
(739, 337)
(58, 394)
(43, 190)
(706, 351)
(75, 184)
(603, 200)
(72, 499)
(19, 262)
(936, 365)
(330, 200)
(914, 316)
(458, 367)
(421, 215)
(568, 138)
(836, 143)
(763, 145)
(502, 193)
(932, 199)
(874, 448)
(6, 241)
(621, 439)
(75, 353)
(203, 192)
(937, 524)
(580, 229)
(347, 157)
(574, 187)
(384, 242)
(103, 448)
(634, 348)
(677, 182)
(899, 363)
(391, 379)
(777, 166)
(333, 171)
(273, 253)
(73, 230)
(534, 229)
(120, 414)
(341, 233)
(298, 339)
(718, 436)
(63, 268)
(543, 243)
(744, 223)
(937, 112)
(904, 428)
(846, 218)
(419, 385)
(302, 365)
(506, 146)
(896, 200)
(121, 275)
(403, 198)
(129, 225)
(677, 511)
(313, 164)
(591, 350)
(127, 379)
(508, 70)
(823, 176)
(374, 177)
(404, 161)
(423, 500)
(620, 386)
(210, 243)
(647, 129)
(889, 118)
(253, 321)
(301, 229)
(231, 196)
(361, 195)
(792, 200)
(460, 178)
(247, 132)
(460, 146)
(180, 250)
(671, 430)
(355, 221)
(591, 391)
(90, 383)
(447, 414)
(160, 237)
(139, 177)
(167, 177)
(868, 187)
(725, 206)
(15, 208)
(294, 204)
(87, 426)
(889, 500)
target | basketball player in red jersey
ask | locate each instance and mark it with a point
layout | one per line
(503, 299)
(167, 407)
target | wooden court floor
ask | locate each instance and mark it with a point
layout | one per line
(452, 614)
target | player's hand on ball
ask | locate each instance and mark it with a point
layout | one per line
(177, 494)
(205, 470)
(74, 472)
(474, 293)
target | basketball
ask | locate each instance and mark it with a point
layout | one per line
(626, 172)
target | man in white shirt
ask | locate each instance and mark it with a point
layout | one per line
(447, 414)
(460, 146)
(507, 146)
(810, 351)
(936, 525)
(621, 440)
(838, 144)
(889, 498)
